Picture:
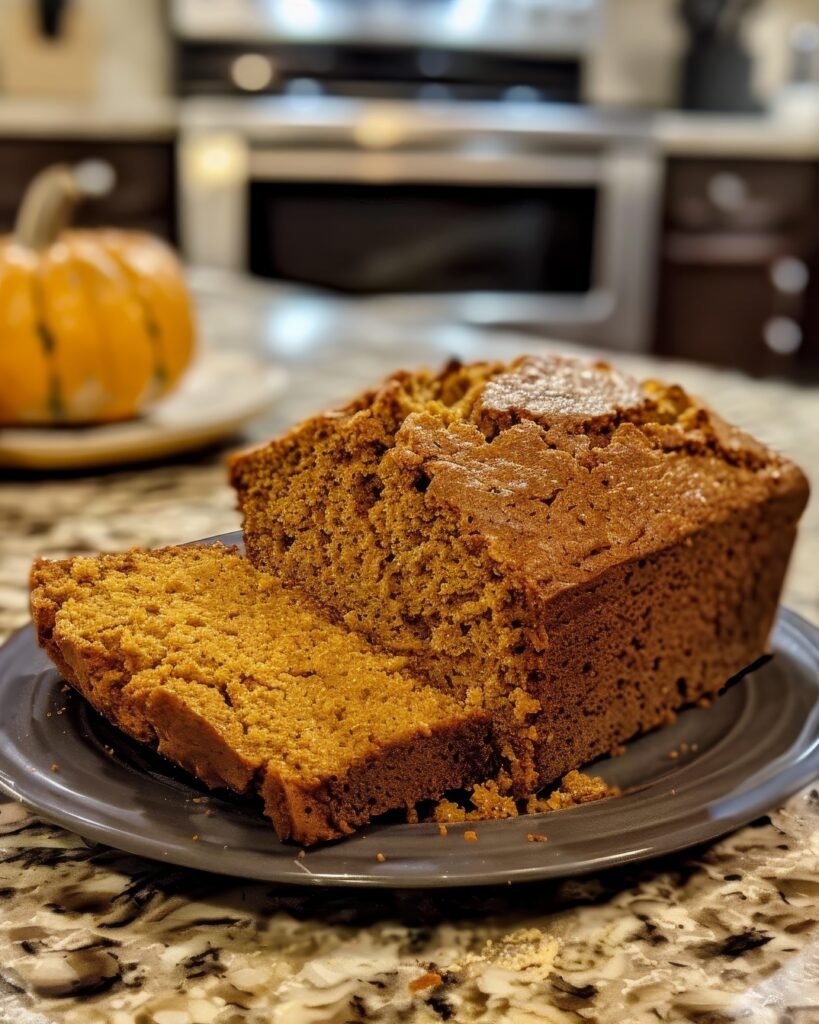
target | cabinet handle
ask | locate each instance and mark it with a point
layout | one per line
(728, 192)
(782, 335)
(95, 177)
(790, 275)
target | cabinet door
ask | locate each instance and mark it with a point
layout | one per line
(740, 251)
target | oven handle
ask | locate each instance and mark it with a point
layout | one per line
(440, 168)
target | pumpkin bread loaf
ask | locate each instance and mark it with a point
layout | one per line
(575, 552)
(237, 679)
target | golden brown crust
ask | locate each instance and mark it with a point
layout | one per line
(580, 553)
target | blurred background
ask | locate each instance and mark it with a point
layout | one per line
(638, 175)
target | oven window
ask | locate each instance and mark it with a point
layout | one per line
(369, 239)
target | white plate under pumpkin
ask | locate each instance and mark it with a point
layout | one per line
(220, 393)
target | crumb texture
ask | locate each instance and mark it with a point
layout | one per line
(578, 553)
(242, 682)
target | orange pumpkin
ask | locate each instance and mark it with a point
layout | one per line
(94, 324)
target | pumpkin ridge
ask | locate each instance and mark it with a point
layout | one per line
(48, 341)
(87, 289)
(152, 328)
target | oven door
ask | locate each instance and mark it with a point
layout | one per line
(560, 241)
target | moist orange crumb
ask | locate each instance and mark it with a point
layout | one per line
(442, 830)
(448, 811)
(250, 686)
(535, 837)
(470, 836)
(55, 767)
(490, 803)
(380, 858)
(428, 980)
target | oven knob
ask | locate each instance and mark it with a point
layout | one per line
(95, 177)
(790, 275)
(728, 192)
(782, 335)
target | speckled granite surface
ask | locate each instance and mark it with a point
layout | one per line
(90, 935)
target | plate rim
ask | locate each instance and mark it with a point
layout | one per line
(787, 780)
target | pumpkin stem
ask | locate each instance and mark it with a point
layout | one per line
(47, 206)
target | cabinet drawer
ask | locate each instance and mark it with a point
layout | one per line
(715, 195)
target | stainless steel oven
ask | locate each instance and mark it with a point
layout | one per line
(493, 213)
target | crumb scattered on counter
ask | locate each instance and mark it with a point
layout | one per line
(535, 837)
(301, 855)
(673, 754)
(428, 980)
(470, 836)
(380, 858)
(442, 829)
(704, 702)
(55, 767)
(195, 837)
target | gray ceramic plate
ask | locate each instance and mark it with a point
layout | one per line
(756, 745)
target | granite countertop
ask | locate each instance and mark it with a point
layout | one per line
(89, 935)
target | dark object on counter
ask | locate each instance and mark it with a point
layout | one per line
(51, 15)
(716, 72)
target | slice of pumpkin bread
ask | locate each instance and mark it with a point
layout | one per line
(241, 682)
(578, 552)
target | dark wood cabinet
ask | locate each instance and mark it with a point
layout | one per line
(739, 274)
(144, 186)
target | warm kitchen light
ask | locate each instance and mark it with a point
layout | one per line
(378, 130)
(214, 160)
